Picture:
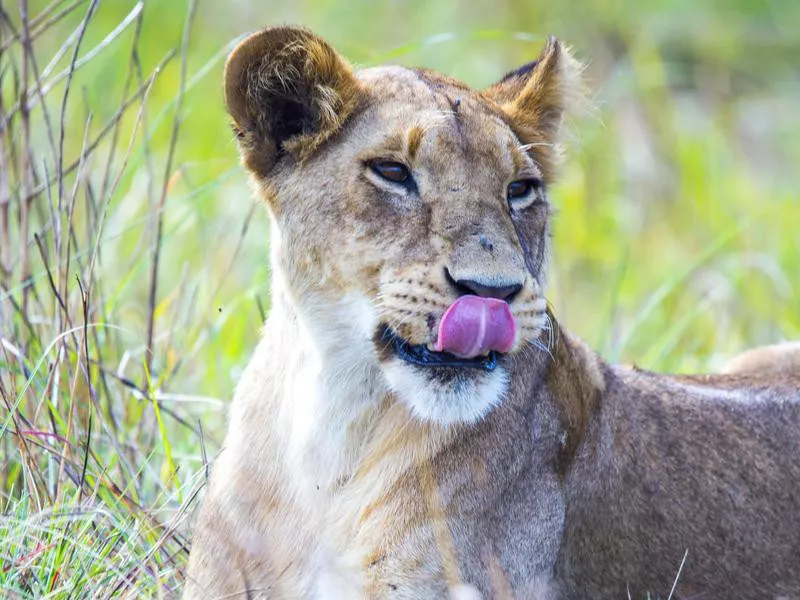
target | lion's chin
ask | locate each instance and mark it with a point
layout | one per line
(446, 395)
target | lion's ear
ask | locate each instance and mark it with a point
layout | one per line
(537, 97)
(287, 91)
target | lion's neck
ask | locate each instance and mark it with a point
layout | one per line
(337, 421)
(575, 381)
(328, 387)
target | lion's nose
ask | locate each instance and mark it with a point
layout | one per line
(485, 289)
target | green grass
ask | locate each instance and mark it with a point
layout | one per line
(676, 240)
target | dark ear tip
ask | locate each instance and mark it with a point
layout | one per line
(552, 47)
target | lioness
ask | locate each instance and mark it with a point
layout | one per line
(414, 419)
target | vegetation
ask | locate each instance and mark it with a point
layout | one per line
(133, 260)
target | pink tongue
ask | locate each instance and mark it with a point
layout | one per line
(473, 326)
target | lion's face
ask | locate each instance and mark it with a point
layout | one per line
(411, 215)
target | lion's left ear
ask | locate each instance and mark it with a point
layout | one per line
(536, 98)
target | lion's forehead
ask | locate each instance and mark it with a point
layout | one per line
(398, 90)
(425, 109)
(390, 79)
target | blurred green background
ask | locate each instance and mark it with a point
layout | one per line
(676, 238)
(692, 148)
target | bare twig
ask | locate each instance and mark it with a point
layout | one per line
(25, 104)
(69, 73)
(107, 128)
(165, 187)
(43, 21)
(24, 168)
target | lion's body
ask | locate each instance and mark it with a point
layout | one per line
(350, 472)
(775, 359)
(702, 466)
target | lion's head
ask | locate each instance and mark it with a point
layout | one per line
(410, 211)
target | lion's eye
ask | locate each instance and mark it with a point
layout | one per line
(523, 192)
(518, 189)
(391, 171)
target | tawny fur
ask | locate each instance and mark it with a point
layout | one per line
(348, 473)
(779, 358)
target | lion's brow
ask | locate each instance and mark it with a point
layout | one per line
(414, 139)
(515, 150)
(416, 132)
(407, 141)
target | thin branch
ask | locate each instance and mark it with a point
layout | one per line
(165, 187)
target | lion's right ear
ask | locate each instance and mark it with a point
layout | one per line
(287, 91)
(536, 99)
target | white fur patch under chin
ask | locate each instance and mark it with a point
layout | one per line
(462, 400)
(335, 580)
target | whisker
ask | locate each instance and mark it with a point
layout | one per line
(538, 344)
(395, 323)
(526, 147)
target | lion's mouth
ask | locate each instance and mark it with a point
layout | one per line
(419, 354)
